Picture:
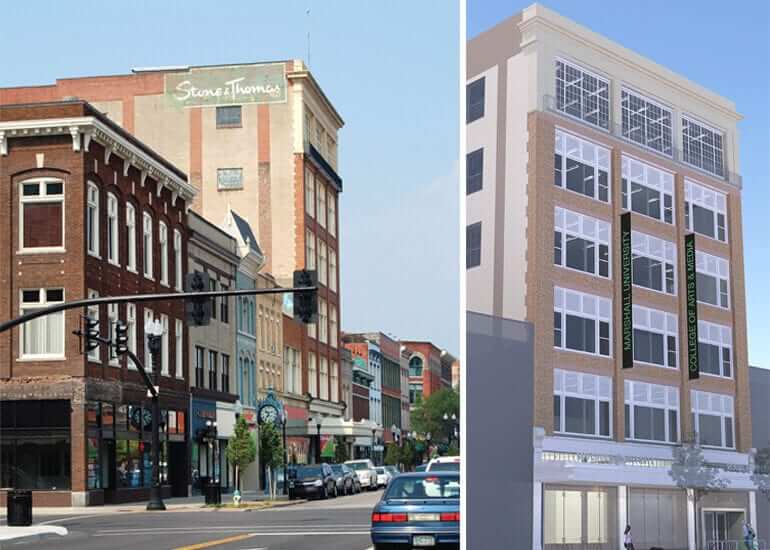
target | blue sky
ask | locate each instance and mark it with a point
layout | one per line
(394, 79)
(722, 46)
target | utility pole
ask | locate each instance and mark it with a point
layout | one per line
(154, 332)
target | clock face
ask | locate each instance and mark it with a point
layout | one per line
(268, 414)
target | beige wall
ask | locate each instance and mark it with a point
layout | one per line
(269, 358)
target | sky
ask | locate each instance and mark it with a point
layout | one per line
(394, 80)
(724, 47)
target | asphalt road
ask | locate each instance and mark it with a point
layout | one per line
(336, 524)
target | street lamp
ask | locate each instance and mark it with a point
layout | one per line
(154, 331)
(374, 433)
(285, 456)
(317, 421)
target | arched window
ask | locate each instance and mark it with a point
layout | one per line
(415, 366)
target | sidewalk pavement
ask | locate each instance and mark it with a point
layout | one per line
(33, 531)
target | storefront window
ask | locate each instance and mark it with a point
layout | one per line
(180, 422)
(92, 414)
(580, 517)
(108, 416)
(127, 459)
(121, 418)
(146, 463)
(94, 464)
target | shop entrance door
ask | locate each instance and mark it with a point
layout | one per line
(178, 469)
(723, 529)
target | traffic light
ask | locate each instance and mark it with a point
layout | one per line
(91, 333)
(120, 345)
(197, 310)
(306, 303)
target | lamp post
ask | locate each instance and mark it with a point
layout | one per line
(285, 455)
(238, 408)
(317, 421)
(454, 426)
(154, 331)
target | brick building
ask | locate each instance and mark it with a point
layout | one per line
(425, 369)
(91, 211)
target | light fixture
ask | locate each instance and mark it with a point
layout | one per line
(153, 328)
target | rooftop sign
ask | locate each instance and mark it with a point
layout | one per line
(235, 85)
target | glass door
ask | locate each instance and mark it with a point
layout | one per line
(722, 529)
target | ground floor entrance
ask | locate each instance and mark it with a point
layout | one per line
(723, 529)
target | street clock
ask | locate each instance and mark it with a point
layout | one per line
(270, 409)
(268, 414)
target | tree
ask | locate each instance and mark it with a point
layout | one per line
(340, 450)
(392, 454)
(241, 449)
(270, 452)
(408, 454)
(428, 417)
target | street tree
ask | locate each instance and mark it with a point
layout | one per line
(241, 449)
(691, 472)
(270, 453)
(392, 454)
(408, 454)
(340, 450)
(428, 417)
(760, 475)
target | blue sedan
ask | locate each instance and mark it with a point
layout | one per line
(418, 510)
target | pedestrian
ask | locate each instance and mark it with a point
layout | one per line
(748, 536)
(628, 541)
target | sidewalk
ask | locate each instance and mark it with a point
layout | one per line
(33, 531)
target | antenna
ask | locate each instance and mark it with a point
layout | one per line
(307, 13)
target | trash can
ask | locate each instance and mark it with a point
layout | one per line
(19, 508)
(213, 493)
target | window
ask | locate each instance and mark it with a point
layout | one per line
(705, 211)
(147, 244)
(653, 263)
(164, 345)
(646, 122)
(292, 374)
(582, 94)
(312, 381)
(224, 305)
(332, 270)
(415, 393)
(309, 193)
(213, 288)
(163, 238)
(702, 146)
(335, 381)
(43, 337)
(581, 242)
(473, 245)
(332, 225)
(652, 412)
(474, 168)
(178, 268)
(474, 100)
(229, 116)
(41, 218)
(712, 274)
(130, 237)
(323, 327)
(225, 373)
(651, 190)
(713, 418)
(131, 331)
(333, 326)
(112, 229)
(582, 403)
(199, 359)
(148, 318)
(92, 220)
(112, 319)
(715, 349)
(229, 178)
(322, 266)
(415, 367)
(576, 316)
(655, 337)
(581, 166)
(321, 207)
(212, 370)
(309, 249)
(178, 348)
(93, 312)
(324, 394)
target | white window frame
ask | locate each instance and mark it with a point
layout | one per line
(147, 252)
(708, 199)
(625, 97)
(720, 336)
(324, 378)
(651, 177)
(654, 396)
(131, 331)
(179, 348)
(309, 193)
(650, 320)
(322, 263)
(178, 267)
(323, 326)
(312, 382)
(602, 312)
(584, 94)
(717, 152)
(92, 219)
(657, 249)
(719, 268)
(94, 356)
(164, 363)
(583, 386)
(42, 322)
(131, 244)
(584, 227)
(334, 382)
(569, 145)
(45, 198)
(333, 326)
(332, 269)
(331, 201)
(113, 241)
(163, 240)
(310, 249)
(149, 316)
(112, 318)
(321, 206)
(713, 404)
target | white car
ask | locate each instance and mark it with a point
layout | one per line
(383, 476)
(365, 471)
(444, 464)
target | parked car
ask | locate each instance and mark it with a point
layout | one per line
(343, 476)
(393, 471)
(312, 481)
(356, 480)
(367, 475)
(383, 476)
(444, 464)
(418, 510)
(420, 468)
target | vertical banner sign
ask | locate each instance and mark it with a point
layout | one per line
(626, 289)
(692, 306)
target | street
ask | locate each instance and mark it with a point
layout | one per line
(335, 524)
